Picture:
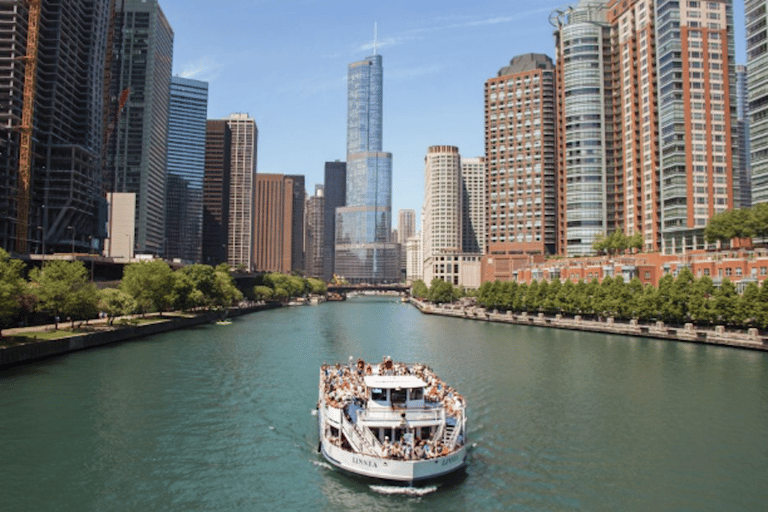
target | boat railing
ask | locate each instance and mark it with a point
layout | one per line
(411, 414)
(358, 440)
(454, 436)
(441, 427)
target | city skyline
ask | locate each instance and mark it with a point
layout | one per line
(244, 59)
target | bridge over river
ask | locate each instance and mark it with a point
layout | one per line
(381, 287)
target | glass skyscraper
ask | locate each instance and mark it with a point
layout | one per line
(186, 169)
(364, 251)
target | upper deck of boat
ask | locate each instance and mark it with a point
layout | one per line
(387, 385)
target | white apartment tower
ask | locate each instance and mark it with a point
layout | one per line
(241, 196)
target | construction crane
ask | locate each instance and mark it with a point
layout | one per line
(27, 115)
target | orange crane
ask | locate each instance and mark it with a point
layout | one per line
(27, 114)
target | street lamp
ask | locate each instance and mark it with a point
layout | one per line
(73, 241)
(90, 253)
(42, 237)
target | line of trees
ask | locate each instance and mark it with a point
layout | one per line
(439, 291)
(674, 301)
(283, 287)
(617, 242)
(62, 289)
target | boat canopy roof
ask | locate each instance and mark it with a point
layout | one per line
(394, 381)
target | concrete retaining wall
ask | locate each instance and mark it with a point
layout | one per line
(717, 336)
(34, 350)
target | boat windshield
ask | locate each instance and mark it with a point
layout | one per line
(399, 396)
(378, 395)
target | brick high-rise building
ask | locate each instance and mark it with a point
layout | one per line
(520, 165)
(216, 186)
(697, 116)
(277, 230)
(646, 118)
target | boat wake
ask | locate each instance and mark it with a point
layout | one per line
(406, 491)
(322, 464)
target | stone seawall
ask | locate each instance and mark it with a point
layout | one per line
(717, 336)
(34, 350)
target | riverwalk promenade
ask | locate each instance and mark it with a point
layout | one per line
(100, 333)
(719, 335)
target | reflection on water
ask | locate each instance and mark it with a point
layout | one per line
(219, 418)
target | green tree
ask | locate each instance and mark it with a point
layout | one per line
(261, 292)
(700, 305)
(761, 307)
(635, 291)
(636, 241)
(747, 308)
(519, 302)
(726, 300)
(150, 284)
(420, 290)
(317, 286)
(441, 292)
(531, 303)
(114, 302)
(565, 298)
(680, 294)
(224, 292)
(758, 220)
(12, 288)
(648, 304)
(63, 289)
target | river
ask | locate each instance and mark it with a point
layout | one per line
(218, 418)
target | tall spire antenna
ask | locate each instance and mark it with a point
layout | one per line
(375, 36)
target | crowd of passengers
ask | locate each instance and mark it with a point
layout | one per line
(344, 384)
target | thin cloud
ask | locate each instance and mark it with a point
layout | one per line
(443, 23)
(204, 68)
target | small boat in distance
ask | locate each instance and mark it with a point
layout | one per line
(391, 421)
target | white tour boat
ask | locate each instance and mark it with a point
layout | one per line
(392, 421)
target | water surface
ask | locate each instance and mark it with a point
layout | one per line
(219, 418)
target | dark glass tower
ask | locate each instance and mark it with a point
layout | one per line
(139, 144)
(364, 251)
(186, 170)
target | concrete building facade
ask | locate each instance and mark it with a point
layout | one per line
(314, 231)
(244, 137)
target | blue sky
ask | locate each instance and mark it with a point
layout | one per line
(285, 63)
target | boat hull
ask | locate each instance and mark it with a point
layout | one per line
(390, 469)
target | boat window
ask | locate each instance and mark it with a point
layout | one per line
(398, 396)
(417, 393)
(378, 395)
